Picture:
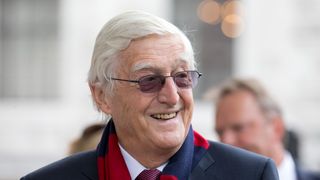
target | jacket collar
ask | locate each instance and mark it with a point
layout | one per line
(199, 172)
(89, 168)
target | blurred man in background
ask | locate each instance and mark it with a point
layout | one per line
(88, 140)
(247, 117)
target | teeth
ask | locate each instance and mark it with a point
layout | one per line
(164, 116)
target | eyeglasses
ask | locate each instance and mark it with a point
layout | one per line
(154, 83)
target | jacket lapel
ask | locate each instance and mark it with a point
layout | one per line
(199, 172)
(89, 175)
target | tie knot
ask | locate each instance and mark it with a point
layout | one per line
(151, 174)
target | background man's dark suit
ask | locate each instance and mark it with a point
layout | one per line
(306, 175)
(221, 162)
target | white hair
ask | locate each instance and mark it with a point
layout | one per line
(116, 36)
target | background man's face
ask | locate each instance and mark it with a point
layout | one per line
(240, 122)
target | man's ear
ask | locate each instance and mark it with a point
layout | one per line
(100, 99)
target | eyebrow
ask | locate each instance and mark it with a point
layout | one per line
(140, 66)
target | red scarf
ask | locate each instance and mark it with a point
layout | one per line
(111, 165)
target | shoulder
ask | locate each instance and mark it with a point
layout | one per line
(224, 152)
(79, 166)
(232, 163)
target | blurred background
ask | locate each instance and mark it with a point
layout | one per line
(46, 47)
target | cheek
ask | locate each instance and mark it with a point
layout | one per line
(123, 107)
(135, 108)
(245, 139)
(188, 107)
(249, 138)
(187, 98)
(129, 115)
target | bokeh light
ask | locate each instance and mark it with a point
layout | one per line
(232, 7)
(232, 26)
(230, 14)
(209, 11)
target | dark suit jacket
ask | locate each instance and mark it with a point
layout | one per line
(221, 162)
(306, 175)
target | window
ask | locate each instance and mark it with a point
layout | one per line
(28, 49)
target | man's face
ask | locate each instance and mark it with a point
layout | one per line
(158, 120)
(240, 122)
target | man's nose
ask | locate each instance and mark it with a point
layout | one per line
(169, 92)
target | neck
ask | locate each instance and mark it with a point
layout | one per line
(149, 158)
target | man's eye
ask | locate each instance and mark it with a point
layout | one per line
(149, 78)
(181, 75)
(238, 128)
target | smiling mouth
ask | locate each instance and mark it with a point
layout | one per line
(165, 116)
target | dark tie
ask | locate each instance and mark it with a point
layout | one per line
(151, 174)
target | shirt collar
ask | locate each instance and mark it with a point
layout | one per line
(287, 168)
(134, 167)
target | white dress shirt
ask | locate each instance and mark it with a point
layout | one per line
(134, 167)
(286, 169)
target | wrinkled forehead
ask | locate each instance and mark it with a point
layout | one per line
(154, 51)
(178, 63)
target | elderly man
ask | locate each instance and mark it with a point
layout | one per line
(247, 117)
(142, 75)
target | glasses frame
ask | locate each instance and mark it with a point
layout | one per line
(162, 78)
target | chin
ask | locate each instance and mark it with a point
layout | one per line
(171, 140)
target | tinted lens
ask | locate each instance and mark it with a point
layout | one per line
(151, 83)
(154, 83)
(186, 79)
